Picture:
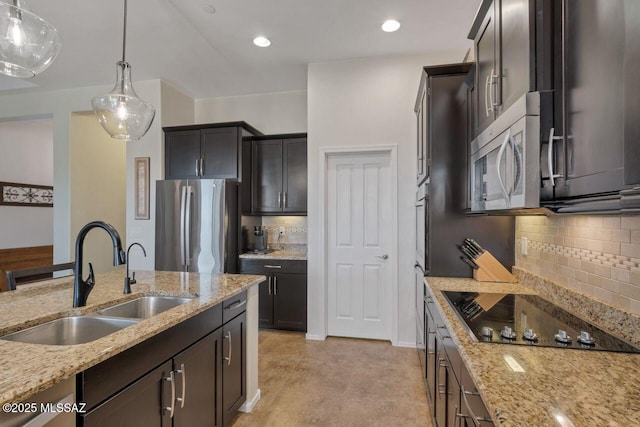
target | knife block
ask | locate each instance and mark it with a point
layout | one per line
(490, 270)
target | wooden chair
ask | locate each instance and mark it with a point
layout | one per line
(36, 274)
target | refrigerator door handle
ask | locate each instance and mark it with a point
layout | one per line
(187, 246)
(183, 191)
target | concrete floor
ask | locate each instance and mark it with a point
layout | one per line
(336, 382)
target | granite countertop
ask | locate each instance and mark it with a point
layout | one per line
(560, 387)
(284, 254)
(30, 368)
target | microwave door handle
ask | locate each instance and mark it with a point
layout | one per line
(517, 153)
(498, 161)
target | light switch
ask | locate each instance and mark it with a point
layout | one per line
(524, 246)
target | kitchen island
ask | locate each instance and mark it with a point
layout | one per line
(557, 387)
(29, 369)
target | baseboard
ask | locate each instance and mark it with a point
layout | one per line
(248, 405)
(314, 337)
(408, 344)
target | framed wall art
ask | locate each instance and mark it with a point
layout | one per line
(141, 191)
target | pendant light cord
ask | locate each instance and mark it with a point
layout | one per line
(124, 31)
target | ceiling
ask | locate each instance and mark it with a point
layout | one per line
(211, 54)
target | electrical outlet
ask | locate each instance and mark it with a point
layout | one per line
(281, 230)
(524, 246)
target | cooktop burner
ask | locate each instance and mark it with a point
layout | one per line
(529, 320)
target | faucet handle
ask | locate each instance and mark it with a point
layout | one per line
(91, 280)
(133, 278)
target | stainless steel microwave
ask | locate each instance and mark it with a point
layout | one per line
(505, 159)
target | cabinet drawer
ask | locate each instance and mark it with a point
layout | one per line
(272, 266)
(234, 306)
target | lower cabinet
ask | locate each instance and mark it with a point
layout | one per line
(190, 375)
(283, 297)
(453, 398)
(233, 367)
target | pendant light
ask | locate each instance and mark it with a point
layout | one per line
(28, 43)
(121, 112)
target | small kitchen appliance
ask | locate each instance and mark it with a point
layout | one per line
(260, 238)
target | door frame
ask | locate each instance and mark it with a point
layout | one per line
(325, 153)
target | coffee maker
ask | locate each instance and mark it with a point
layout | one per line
(260, 238)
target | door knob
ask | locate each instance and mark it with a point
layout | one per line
(385, 256)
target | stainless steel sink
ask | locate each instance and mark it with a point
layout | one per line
(70, 330)
(144, 307)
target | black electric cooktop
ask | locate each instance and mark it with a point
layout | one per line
(529, 320)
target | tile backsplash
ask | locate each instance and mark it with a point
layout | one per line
(596, 255)
(295, 229)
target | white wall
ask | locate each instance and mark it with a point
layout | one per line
(60, 105)
(270, 113)
(367, 102)
(98, 184)
(26, 156)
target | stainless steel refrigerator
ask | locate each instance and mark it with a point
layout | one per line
(197, 225)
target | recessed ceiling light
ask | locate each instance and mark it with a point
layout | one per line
(261, 41)
(390, 26)
(210, 9)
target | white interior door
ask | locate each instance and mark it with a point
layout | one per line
(359, 241)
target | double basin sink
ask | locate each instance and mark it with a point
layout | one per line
(83, 329)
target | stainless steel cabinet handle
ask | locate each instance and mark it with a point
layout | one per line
(284, 200)
(236, 305)
(171, 408)
(228, 358)
(476, 420)
(272, 266)
(494, 77)
(197, 167)
(279, 199)
(552, 176)
(270, 291)
(183, 373)
(201, 167)
(486, 95)
(275, 285)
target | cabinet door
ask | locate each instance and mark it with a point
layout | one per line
(515, 53)
(594, 97)
(440, 392)
(290, 301)
(294, 177)
(421, 143)
(233, 367)
(266, 176)
(181, 154)
(485, 45)
(265, 304)
(143, 403)
(220, 153)
(198, 376)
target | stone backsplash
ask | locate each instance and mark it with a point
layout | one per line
(598, 256)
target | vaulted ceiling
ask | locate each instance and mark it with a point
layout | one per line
(205, 48)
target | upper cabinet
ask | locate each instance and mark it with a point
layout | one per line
(206, 151)
(505, 39)
(581, 59)
(279, 175)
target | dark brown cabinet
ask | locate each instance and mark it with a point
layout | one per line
(453, 398)
(193, 374)
(506, 42)
(279, 174)
(141, 404)
(283, 297)
(233, 367)
(205, 151)
(596, 98)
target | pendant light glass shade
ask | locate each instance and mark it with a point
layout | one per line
(120, 112)
(28, 43)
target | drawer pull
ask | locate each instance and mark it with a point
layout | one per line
(272, 266)
(172, 380)
(236, 305)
